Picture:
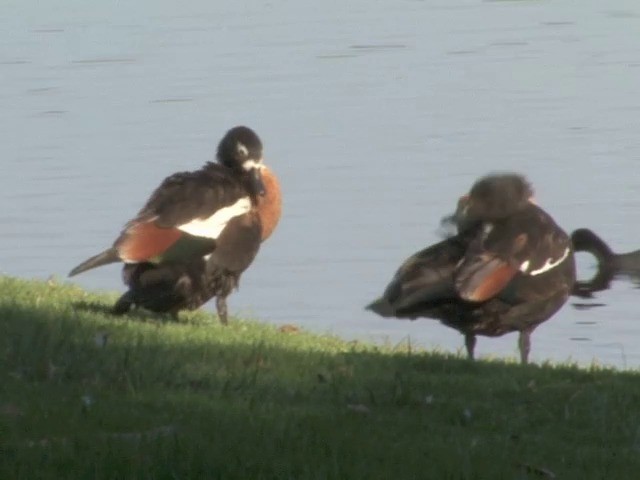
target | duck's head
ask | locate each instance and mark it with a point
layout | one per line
(241, 150)
(494, 197)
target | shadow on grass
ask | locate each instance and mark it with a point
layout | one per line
(85, 391)
(93, 307)
(133, 314)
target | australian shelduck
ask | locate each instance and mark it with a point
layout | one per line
(197, 232)
(509, 268)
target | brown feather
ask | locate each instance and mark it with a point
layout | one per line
(485, 281)
(143, 241)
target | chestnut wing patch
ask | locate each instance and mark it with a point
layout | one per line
(481, 277)
(142, 242)
(183, 216)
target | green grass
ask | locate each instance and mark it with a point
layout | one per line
(192, 399)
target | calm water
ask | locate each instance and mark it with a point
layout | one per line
(376, 115)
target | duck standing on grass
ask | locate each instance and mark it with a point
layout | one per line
(510, 268)
(197, 232)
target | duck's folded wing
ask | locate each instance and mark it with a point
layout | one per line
(481, 277)
(186, 214)
(426, 276)
(186, 197)
(529, 243)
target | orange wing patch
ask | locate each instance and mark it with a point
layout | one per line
(144, 241)
(484, 281)
(270, 205)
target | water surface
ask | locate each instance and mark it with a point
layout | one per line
(375, 115)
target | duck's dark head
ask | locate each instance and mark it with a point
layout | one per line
(241, 150)
(494, 197)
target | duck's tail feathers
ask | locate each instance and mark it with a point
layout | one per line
(382, 307)
(108, 256)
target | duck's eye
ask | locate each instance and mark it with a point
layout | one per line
(241, 150)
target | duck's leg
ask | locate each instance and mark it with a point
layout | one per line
(524, 345)
(124, 304)
(470, 344)
(221, 306)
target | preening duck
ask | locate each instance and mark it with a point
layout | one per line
(198, 231)
(510, 268)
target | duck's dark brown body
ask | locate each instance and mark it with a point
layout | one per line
(498, 276)
(175, 286)
(197, 232)
(187, 285)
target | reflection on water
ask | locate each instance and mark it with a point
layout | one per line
(375, 115)
(586, 306)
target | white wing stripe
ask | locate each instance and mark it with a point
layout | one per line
(212, 227)
(550, 263)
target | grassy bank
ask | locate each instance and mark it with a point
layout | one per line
(85, 395)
